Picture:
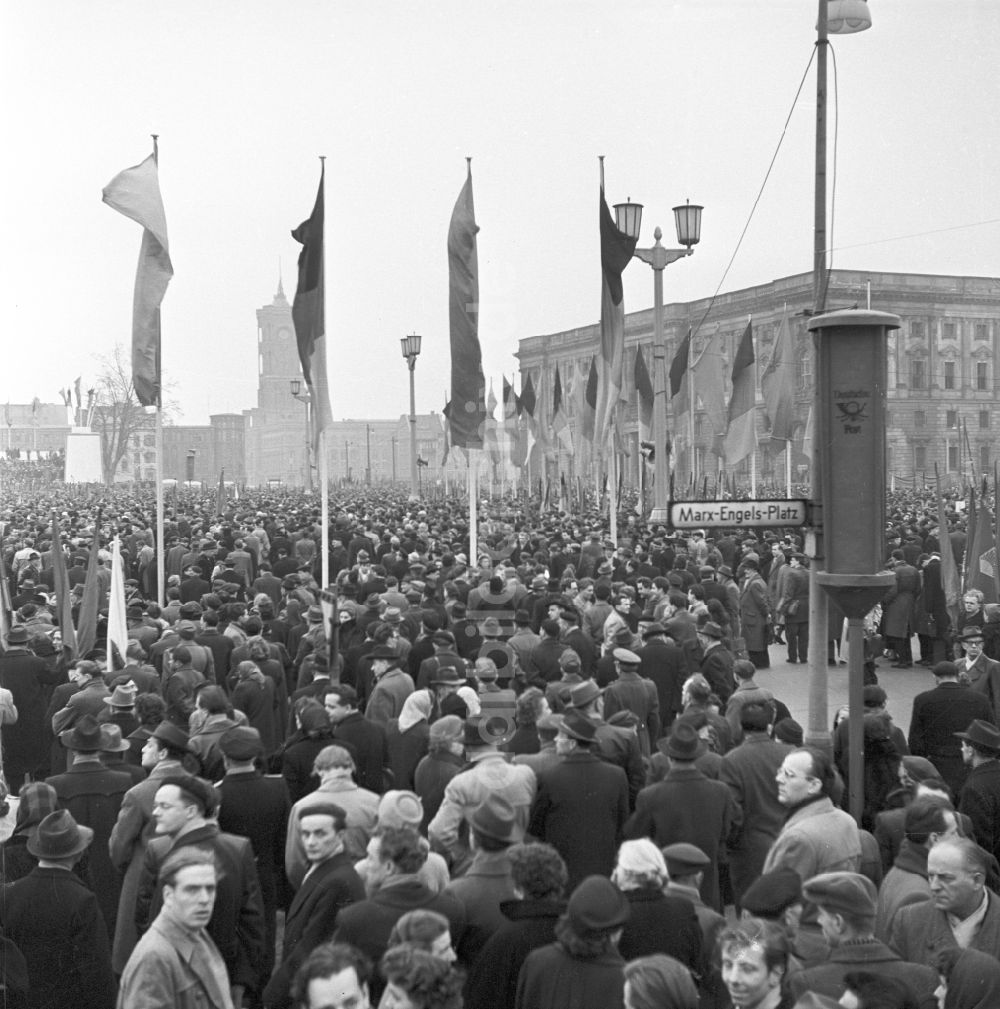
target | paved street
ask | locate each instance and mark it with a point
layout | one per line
(791, 685)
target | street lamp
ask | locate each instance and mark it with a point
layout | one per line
(687, 220)
(411, 351)
(305, 399)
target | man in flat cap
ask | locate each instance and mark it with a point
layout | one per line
(846, 902)
(686, 865)
(631, 692)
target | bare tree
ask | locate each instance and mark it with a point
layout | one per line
(117, 413)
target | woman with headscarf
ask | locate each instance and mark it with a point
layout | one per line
(659, 982)
(254, 696)
(407, 737)
(659, 923)
(970, 979)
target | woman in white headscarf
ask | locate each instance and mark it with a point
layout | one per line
(407, 737)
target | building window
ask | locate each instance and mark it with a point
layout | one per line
(984, 420)
(981, 376)
(984, 458)
(982, 331)
(917, 330)
(919, 418)
(952, 458)
(920, 457)
(803, 367)
(949, 331)
(949, 374)
(951, 419)
(918, 373)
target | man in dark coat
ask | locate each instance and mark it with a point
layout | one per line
(717, 661)
(687, 806)
(581, 804)
(367, 740)
(55, 921)
(24, 674)
(256, 807)
(935, 644)
(749, 771)
(662, 661)
(937, 715)
(980, 796)
(181, 812)
(330, 885)
(93, 793)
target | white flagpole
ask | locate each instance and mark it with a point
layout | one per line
(613, 486)
(691, 401)
(788, 468)
(160, 549)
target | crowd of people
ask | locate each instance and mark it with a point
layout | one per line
(533, 776)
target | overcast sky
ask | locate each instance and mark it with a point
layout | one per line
(687, 100)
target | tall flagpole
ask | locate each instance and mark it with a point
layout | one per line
(691, 399)
(473, 510)
(324, 489)
(160, 549)
(753, 420)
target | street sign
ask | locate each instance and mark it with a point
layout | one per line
(696, 514)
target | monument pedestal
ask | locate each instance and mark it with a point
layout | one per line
(83, 456)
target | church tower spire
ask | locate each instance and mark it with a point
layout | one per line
(279, 298)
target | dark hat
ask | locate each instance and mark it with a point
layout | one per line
(684, 859)
(522, 618)
(17, 636)
(625, 719)
(706, 571)
(626, 657)
(597, 905)
(384, 652)
(167, 732)
(490, 627)
(477, 733)
(569, 661)
(443, 638)
(982, 736)
(683, 743)
(971, 633)
(772, 893)
(186, 629)
(196, 789)
(191, 610)
(446, 674)
(846, 892)
(945, 669)
(653, 629)
(578, 726)
(59, 836)
(372, 601)
(111, 739)
(313, 717)
(874, 696)
(315, 614)
(495, 818)
(85, 736)
(789, 731)
(323, 809)
(725, 570)
(241, 742)
(919, 768)
(393, 615)
(711, 630)
(584, 693)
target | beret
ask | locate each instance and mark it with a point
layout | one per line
(683, 859)
(241, 742)
(772, 893)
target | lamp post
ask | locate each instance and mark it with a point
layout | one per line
(305, 399)
(687, 219)
(838, 17)
(411, 351)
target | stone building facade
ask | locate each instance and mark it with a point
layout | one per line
(943, 364)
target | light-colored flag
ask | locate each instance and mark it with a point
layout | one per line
(135, 193)
(560, 422)
(117, 625)
(777, 383)
(741, 432)
(708, 378)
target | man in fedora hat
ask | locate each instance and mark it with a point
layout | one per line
(184, 809)
(162, 756)
(980, 796)
(662, 661)
(176, 963)
(493, 830)
(445, 653)
(617, 745)
(978, 670)
(717, 660)
(93, 793)
(489, 774)
(392, 686)
(582, 801)
(687, 806)
(120, 708)
(56, 922)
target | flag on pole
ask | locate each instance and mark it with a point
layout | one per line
(490, 442)
(741, 432)
(468, 386)
(117, 626)
(64, 602)
(950, 581)
(309, 316)
(86, 624)
(220, 494)
(6, 609)
(679, 365)
(616, 251)
(447, 426)
(135, 193)
(644, 392)
(708, 380)
(807, 437)
(590, 402)
(777, 383)
(982, 562)
(560, 422)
